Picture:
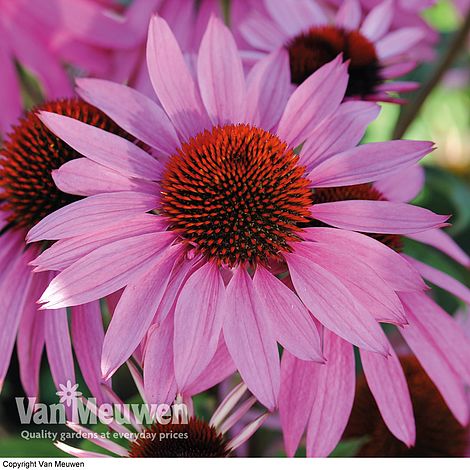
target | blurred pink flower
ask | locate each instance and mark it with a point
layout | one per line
(197, 229)
(376, 52)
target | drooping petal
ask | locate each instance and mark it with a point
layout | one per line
(388, 385)
(133, 111)
(368, 162)
(388, 264)
(296, 397)
(293, 325)
(250, 339)
(105, 270)
(332, 304)
(173, 82)
(334, 397)
(220, 75)
(314, 100)
(135, 311)
(377, 216)
(199, 316)
(103, 147)
(398, 41)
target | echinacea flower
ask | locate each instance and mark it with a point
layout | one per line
(29, 155)
(39, 35)
(438, 433)
(201, 228)
(174, 436)
(375, 54)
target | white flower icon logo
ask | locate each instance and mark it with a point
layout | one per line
(68, 393)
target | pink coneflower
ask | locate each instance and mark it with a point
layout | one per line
(436, 340)
(227, 206)
(28, 193)
(198, 437)
(40, 35)
(438, 433)
(375, 54)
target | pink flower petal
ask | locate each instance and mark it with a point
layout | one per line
(377, 216)
(398, 42)
(292, 323)
(269, 88)
(331, 303)
(388, 264)
(173, 82)
(334, 397)
(220, 75)
(378, 21)
(402, 186)
(250, 339)
(133, 111)
(429, 337)
(84, 177)
(92, 214)
(105, 270)
(199, 316)
(313, 101)
(10, 94)
(388, 385)
(135, 311)
(349, 15)
(299, 381)
(368, 162)
(102, 147)
(159, 373)
(341, 131)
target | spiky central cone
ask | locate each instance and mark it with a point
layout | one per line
(194, 439)
(319, 45)
(438, 433)
(31, 152)
(364, 192)
(237, 193)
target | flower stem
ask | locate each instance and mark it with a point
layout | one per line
(411, 110)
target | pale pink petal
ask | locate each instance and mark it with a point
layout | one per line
(398, 42)
(313, 101)
(368, 162)
(443, 242)
(261, 32)
(388, 264)
(220, 75)
(250, 339)
(94, 213)
(442, 280)
(379, 20)
(299, 381)
(133, 111)
(429, 343)
(334, 397)
(227, 405)
(398, 70)
(159, 374)
(402, 186)
(269, 88)
(69, 250)
(102, 147)
(88, 335)
(105, 270)
(173, 82)
(84, 454)
(377, 216)
(292, 323)
(135, 311)
(349, 15)
(341, 131)
(332, 304)
(199, 316)
(365, 285)
(247, 432)
(84, 177)
(388, 385)
(293, 16)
